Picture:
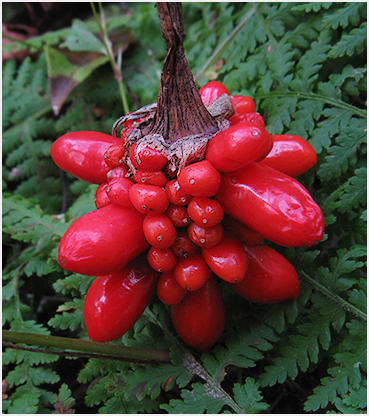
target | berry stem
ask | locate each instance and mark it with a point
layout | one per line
(180, 111)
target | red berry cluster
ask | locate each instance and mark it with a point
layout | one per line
(207, 223)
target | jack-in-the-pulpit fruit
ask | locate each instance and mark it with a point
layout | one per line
(273, 204)
(81, 153)
(103, 241)
(270, 277)
(236, 147)
(187, 232)
(114, 303)
(200, 318)
(291, 155)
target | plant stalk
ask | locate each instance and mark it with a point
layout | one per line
(64, 343)
(217, 53)
(109, 51)
(180, 110)
(336, 298)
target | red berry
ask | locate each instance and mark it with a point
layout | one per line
(212, 90)
(200, 318)
(118, 172)
(205, 212)
(159, 231)
(242, 231)
(228, 259)
(175, 193)
(161, 259)
(151, 177)
(147, 158)
(101, 199)
(183, 247)
(205, 236)
(114, 155)
(149, 198)
(118, 191)
(168, 289)
(270, 277)
(192, 273)
(199, 179)
(178, 215)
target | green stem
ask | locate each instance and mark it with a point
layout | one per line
(326, 292)
(312, 96)
(117, 71)
(224, 45)
(16, 291)
(87, 346)
(22, 42)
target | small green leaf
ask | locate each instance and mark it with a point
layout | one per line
(81, 39)
(27, 404)
(249, 397)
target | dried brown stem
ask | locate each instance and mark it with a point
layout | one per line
(180, 111)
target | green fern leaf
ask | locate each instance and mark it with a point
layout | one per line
(302, 349)
(349, 14)
(350, 43)
(353, 402)
(27, 404)
(201, 399)
(243, 349)
(75, 284)
(309, 65)
(64, 400)
(344, 153)
(248, 397)
(25, 221)
(72, 320)
(313, 7)
(346, 373)
(150, 380)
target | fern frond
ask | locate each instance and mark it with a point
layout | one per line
(350, 43)
(351, 13)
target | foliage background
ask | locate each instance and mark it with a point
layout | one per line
(305, 66)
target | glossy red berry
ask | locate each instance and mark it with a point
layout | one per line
(151, 177)
(205, 236)
(149, 198)
(228, 259)
(103, 241)
(115, 302)
(178, 215)
(161, 259)
(114, 155)
(200, 318)
(242, 105)
(118, 172)
(199, 179)
(291, 155)
(118, 191)
(147, 158)
(101, 197)
(241, 231)
(192, 273)
(270, 277)
(183, 247)
(176, 194)
(168, 289)
(159, 230)
(238, 146)
(205, 212)
(212, 90)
